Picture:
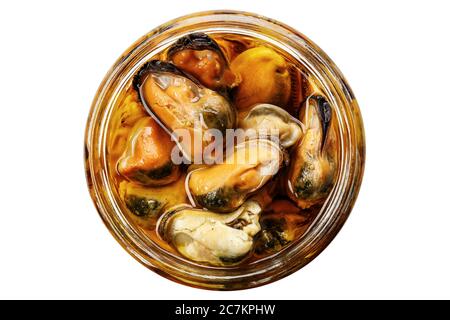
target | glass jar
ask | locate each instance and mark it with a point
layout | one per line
(335, 210)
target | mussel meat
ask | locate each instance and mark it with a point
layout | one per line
(314, 162)
(179, 102)
(225, 186)
(146, 204)
(264, 78)
(270, 121)
(147, 158)
(200, 56)
(281, 223)
(233, 45)
(129, 111)
(208, 237)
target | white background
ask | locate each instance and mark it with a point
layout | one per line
(395, 55)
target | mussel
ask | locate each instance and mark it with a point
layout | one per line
(208, 237)
(314, 161)
(183, 105)
(225, 186)
(147, 158)
(233, 45)
(271, 121)
(146, 204)
(281, 222)
(264, 78)
(129, 111)
(199, 55)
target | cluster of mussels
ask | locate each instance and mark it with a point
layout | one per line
(217, 214)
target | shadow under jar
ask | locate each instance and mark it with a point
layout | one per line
(241, 234)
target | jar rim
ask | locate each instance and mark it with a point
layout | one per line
(335, 210)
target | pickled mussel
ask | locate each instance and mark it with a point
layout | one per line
(224, 187)
(199, 55)
(264, 77)
(281, 222)
(233, 45)
(146, 204)
(147, 158)
(178, 101)
(208, 237)
(314, 161)
(129, 112)
(271, 121)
